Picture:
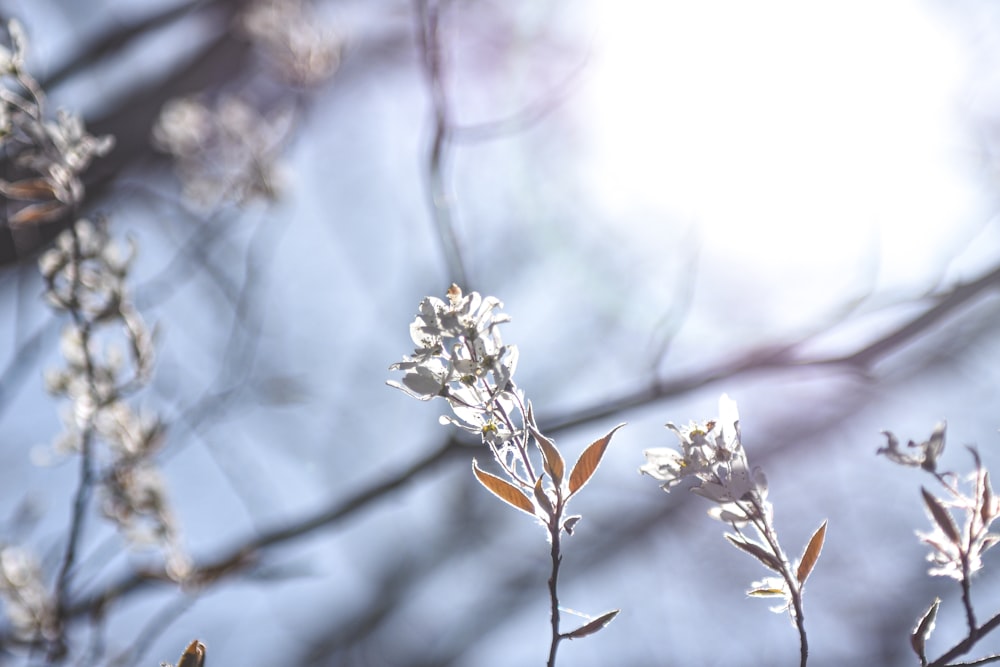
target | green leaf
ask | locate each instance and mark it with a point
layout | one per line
(767, 593)
(503, 490)
(585, 466)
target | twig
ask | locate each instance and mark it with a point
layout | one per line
(439, 200)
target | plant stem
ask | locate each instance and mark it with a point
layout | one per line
(554, 533)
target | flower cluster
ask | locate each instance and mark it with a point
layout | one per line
(461, 357)
(85, 274)
(712, 454)
(227, 152)
(27, 604)
(292, 37)
(49, 155)
(955, 552)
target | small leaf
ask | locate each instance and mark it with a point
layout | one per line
(755, 550)
(585, 466)
(920, 634)
(986, 504)
(193, 656)
(570, 523)
(31, 189)
(593, 626)
(503, 490)
(811, 554)
(555, 466)
(45, 211)
(767, 593)
(542, 497)
(942, 517)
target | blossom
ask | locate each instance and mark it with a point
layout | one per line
(460, 354)
(711, 453)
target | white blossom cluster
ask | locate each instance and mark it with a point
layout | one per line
(461, 357)
(86, 274)
(711, 453)
(292, 36)
(956, 548)
(50, 155)
(224, 153)
(27, 603)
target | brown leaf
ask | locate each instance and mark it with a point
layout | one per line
(193, 656)
(542, 498)
(46, 211)
(29, 189)
(811, 554)
(757, 551)
(593, 626)
(920, 634)
(555, 466)
(986, 504)
(585, 466)
(503, 490)
(942, 517)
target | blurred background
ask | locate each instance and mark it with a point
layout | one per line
(792, 203)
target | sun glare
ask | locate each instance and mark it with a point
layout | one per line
(791, 134)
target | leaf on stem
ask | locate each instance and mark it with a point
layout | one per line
(542, 498)
(585, 466)
(811, 554)
(768, 593)
(920, 634)
(193, 656)
(755, 550)
(503, 490)
(593, 626)
(941, 517)
(555, 466)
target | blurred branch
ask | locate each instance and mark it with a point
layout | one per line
(22, 361)
(245, 554)
(114, 41)
(439, 199)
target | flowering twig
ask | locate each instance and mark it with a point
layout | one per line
(712, 453)
(461, 358)
(955, 552)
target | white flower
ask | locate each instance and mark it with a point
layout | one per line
(665, 464)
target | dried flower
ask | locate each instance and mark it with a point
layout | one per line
(226, 153)
(27, 604)
(928, 452)
(49, 155)
(86, 274)
(305, 51)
